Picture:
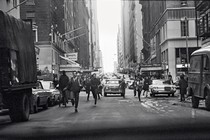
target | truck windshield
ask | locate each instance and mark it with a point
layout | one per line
(195, 63)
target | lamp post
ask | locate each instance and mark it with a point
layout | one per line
(187, 50)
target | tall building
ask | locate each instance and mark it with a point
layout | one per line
(61, 33)
(120, 54)
(169, 32)
(132, 34)
(95, 57)
(203, 21)
(11, 7)
(125, 32)
(81, 20)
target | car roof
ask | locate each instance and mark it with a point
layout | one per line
(204, 50)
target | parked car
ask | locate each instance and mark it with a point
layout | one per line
(53, 92)
(159, 87)
(40, 97)
(112, 86)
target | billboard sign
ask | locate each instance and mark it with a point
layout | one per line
(72, 56)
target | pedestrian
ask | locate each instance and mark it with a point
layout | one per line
(94, 87)
(146, 85)
(169, 81)
(123, 86)
(63, 83)
(75, 87)
(140, 84)
(183, 87)
(88, 87)
(134, 86)
(55, 81)
(99, 90)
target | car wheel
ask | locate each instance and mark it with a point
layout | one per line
(195, 101)
(105, 94)
(207, 101)
(169, 95)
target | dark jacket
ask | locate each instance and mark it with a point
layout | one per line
(75, 85)
(183, 84)
(63, 81)
(95, 83)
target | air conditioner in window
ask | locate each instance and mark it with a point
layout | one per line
(183, 3)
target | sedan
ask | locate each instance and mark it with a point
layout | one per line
(112, 86)
(53, 92)
(40, 98)
(160, 87)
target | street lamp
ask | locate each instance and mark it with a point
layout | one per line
(187, 50)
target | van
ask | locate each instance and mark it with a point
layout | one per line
(199, 77)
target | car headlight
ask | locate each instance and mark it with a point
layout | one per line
(106, 88)
(155, 88)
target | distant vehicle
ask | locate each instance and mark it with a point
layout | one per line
(159, 87)
(53, 92)
(112, 86)
(199, 77)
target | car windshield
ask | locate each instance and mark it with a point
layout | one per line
(112, 82)
(157, 82)
(47, 85)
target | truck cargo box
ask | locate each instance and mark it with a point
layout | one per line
(17, 52)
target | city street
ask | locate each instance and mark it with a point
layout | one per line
(113, 117)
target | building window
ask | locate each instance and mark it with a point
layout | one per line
(184, 28)
(30, 2)
(31, 15)
(15, 3)
(183, 3)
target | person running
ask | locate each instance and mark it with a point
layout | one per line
(94, 87)
(63, 83)
(75, 87)
(88, 87)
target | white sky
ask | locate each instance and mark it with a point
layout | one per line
(108, 19)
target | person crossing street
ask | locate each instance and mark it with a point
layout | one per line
(94, 87)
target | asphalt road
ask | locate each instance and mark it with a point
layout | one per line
(113, 117)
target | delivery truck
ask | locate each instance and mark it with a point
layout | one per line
(17, 66)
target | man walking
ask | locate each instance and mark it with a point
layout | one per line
(183, 87)
(123, 87)
(94, 87)
(63, 83)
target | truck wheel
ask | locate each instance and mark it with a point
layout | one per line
(20, 108)
(207, 101)
(195, 101)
